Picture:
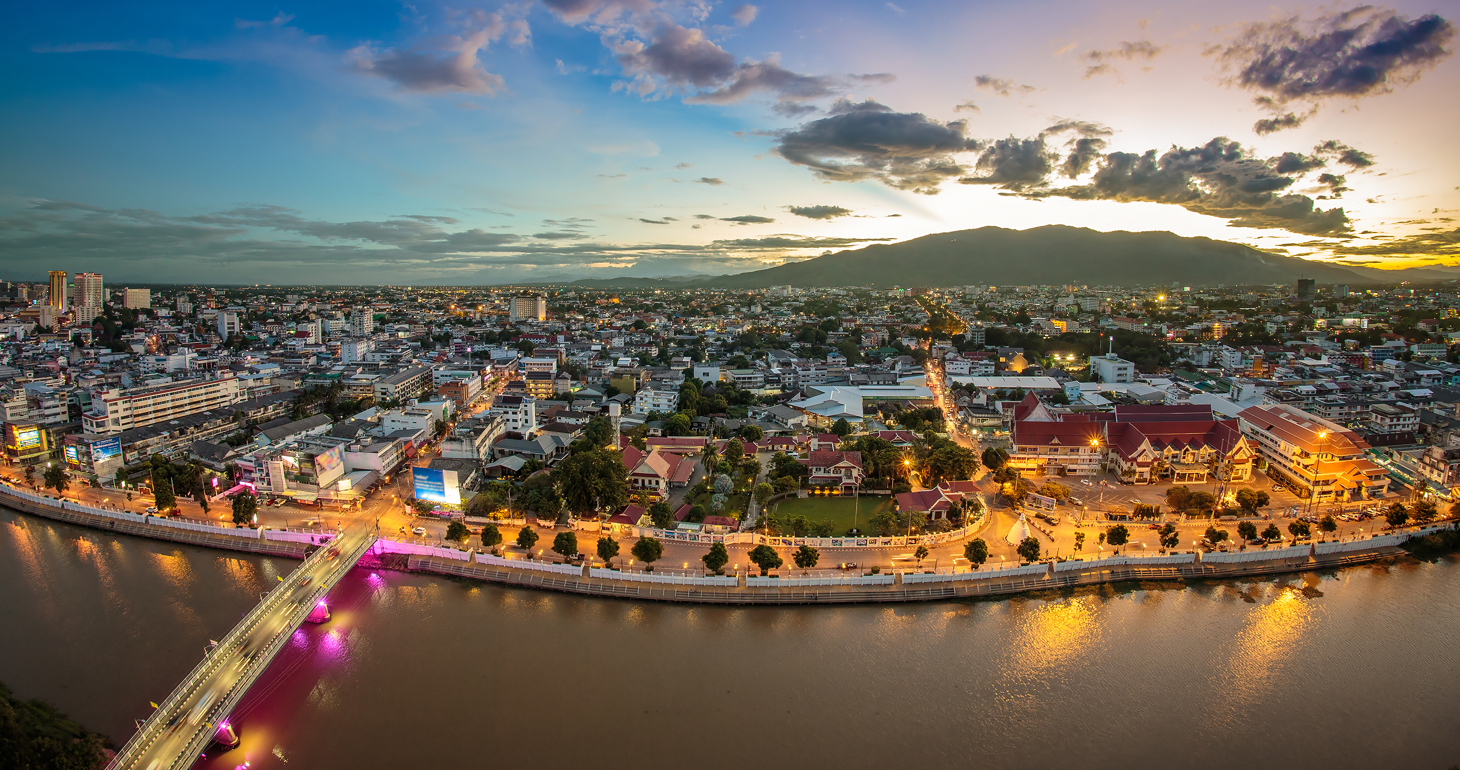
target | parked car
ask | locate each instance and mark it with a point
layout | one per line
(152, 510)
(419, 531)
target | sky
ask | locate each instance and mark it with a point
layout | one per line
(422, 143)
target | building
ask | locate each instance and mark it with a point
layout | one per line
(650, 400)
(529, 308)
(834, 468)
(228, 324)
(26, 443)
(89, 296)
(540, 385)
(362, 323)
(656, 472)
(403, 385)
(940, 502)
(1393, 419)
(1307, 289)
(473, 437)
(518, 413)
(136, 299)
(58, 290)
(1442, 464)
(1109, 368)
(115, 411)
(462, 390)
(1320, 460)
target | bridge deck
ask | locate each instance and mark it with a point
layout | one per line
(185, 723)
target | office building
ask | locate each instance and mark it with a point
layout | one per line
(228, 324)
(1307, 289)
(90, 296)
(115, 411)
(1109, 368)
(136, 299)
(529, 308)
(362, 323)
(58, 289)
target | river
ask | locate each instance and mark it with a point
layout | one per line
(1352, 668)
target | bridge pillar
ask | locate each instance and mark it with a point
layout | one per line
(226, 736)
(320, 613)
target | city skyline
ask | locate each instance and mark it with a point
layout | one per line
(443, 144)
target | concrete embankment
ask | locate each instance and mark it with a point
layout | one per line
(824, 589)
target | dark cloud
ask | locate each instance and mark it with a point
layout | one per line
(1084, 151)
(449, 64)
(1344, 154)
(664, 221)
(1014, 163)
(868, 140)
(559, 235)
(683, 166)
(1334, 183)
(710, 180)
(1080, 127)
(1001, 86)
(1139, 50)
(748, 219)
(1353, 54)
(793, 110)
(1218, 179)
(1445, 243)
(819, 212)
(704, 216)
(1297, 163)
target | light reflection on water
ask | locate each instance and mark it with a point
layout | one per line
(1103, 678)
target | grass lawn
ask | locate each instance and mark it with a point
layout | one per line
(837, 510)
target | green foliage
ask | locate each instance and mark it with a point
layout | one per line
(1079, 541)
(1029, 549)
(607, 548)
(677, 425)
(526, 538)
(648, 550)
(244, 507)
(33, 734)
(1117, 535)
(457, 531)
(162, 491)
(751, 432)
(716, 559)
(597, 434)
(1396, 515)
(766, 558)
(1214, 535)
(921, 553)
(423, 507)
(976, 551)
(1327, 524)
(1250, 500)
(593, 480)
(806, 557)
(1299, 529)
(662, 515)
(1168, 536)
(491, 536)
(952, 462)
(1247, 530)
(763, 492)
(1272, 533)
(994, 458)
(1423, 512)
(566, 544)
(841, 427)
(55, 478)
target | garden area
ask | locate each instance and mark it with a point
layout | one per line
(839, 511)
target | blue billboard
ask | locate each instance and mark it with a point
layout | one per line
(436, 485)
(106, 449)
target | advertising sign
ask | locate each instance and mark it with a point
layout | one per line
(106, 449)
(436, 486)
(72, 455)
(328, 467)
(27, 438)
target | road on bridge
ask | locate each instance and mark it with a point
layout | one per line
(187, 721)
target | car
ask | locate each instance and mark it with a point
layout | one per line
(304, 581)
(152, 510)
(332, 554)
(418, 531)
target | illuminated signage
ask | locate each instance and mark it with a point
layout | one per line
(72, 455)
(436, 486)
(27, 438)
(106, 449)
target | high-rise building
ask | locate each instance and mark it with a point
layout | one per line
(1307, 289)
(228, 324)
(184, 307)
(529, 308)
(90, 296)
(135, 299)
(58, 289)
(362, 323)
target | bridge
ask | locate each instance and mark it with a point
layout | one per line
(195, 714)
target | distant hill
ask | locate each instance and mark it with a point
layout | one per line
(1054, 254)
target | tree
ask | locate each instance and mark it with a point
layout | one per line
(1327, 524)
(734, 452)
(766, 558)
(607, 549)
(1177, 497)
(841, 427)
(994, 458)
(1396, 515)
(1117, 535)
(1247, 530)
(662, 515)
(162, 492)
(921, 553)
(806, 557)
(763, 493)
(1272, 533)
(1201, 500)
(677, 425)
(55, 478)
(952, 462)
(1056, 490)
(1299, 529)
(752, 433)
(885, 523)
(566, 544)
(1168, 536)
(592, 481)
(1079, 541)
(491, 536)
(1016, 490)
(1215, 535)
(1424, 511)
(30, 474)
(526, 538)
(244, 506)
(648, 550)
(976, 551)
(716, 559)
(423, 507)
(1250, 500)
(1029, 550)
(457, 531)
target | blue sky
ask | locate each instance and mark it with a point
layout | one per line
(459, 143)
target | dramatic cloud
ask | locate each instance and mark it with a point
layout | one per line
(819, 212)
(682, 60)
(1001, 86)
(1219, 179)
(868, 140)
(1100, 61)
(1344, 154)
(1014, 163)
(1353, 54)
(1437, 243)
(449, 65)
(748, 219)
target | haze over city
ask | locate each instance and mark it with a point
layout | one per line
(476, 144)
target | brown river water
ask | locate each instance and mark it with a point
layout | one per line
(1350, 668)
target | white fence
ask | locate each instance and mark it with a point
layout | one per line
(754, 538)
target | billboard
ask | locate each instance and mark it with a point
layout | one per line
(329, 466)
(72, 455)
(106, 449)
(436, 486)
(27, 438)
